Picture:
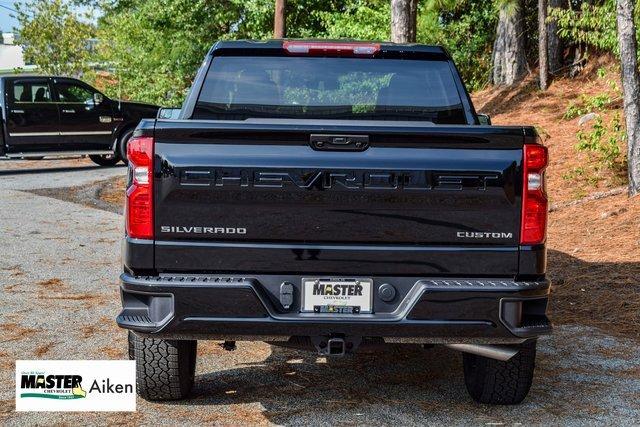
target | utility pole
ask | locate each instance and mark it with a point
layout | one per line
(279, 21)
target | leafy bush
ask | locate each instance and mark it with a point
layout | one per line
(592, 24)
(603, 140)
(587, 104)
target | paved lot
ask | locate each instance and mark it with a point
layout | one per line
(58, 284)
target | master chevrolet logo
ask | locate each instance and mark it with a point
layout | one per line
(52, 386)
(337, 290)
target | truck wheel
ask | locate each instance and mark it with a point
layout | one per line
(165, 369)
(500, 383)
(105, 160)
(122, 144)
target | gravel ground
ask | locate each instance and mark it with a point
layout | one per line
(58, 282)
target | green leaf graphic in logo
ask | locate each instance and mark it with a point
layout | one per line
(52, 396)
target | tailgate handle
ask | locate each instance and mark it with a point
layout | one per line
(339, 142)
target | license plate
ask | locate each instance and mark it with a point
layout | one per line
(342, 296)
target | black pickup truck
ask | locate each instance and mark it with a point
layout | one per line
(44, 116)
(331, 196)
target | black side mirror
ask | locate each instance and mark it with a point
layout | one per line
(484, 119)
(98, 98)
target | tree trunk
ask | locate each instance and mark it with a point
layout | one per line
(542, 44)
(630, 88)
(404, 14)
(509, 60)
(555, 47)
(279, 21)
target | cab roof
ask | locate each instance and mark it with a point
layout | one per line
(277, 46)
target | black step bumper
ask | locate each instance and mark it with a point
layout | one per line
(248, 308)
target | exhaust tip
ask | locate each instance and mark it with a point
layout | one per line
(497, 352)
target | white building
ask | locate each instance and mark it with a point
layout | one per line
(11, 56)
(8, 38)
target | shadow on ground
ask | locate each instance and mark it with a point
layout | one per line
(408, 385)
(601, 294)
(291, 383)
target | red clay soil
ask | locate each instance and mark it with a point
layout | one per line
(113, 191)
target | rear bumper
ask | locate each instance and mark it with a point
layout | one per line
(429, 310)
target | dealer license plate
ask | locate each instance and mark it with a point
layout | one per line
(341, 296)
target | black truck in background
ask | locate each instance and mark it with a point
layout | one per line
(331, 196)
(56, 116)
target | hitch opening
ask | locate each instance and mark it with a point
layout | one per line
(335, 345)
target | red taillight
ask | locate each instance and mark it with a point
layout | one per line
(139, 214)
(534, 197)
(330, 48)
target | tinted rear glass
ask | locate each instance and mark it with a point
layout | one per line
(240, 87)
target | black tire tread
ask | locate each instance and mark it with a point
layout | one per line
(165, 368)
(131, 346)
(500, 383)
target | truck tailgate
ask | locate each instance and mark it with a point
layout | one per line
(244, 196)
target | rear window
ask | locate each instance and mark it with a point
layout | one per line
(241, 87)
(31, 92)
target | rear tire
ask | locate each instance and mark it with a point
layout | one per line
(105, 160)
(500, 383)
(165, 369)
(122, 144)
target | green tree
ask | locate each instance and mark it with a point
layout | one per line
(592, 23)
(54, 37)
(154, 47)
(467, 29)
(360, 19)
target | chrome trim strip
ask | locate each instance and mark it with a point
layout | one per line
(333, 246)
(98, 132)
(57, 153)
(34, 134)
